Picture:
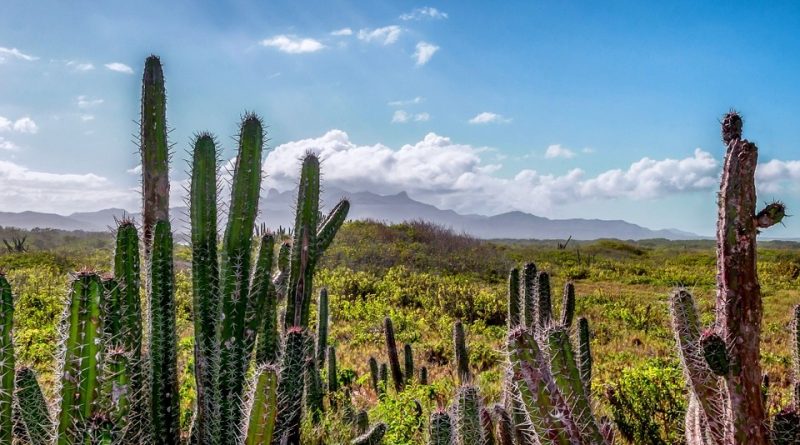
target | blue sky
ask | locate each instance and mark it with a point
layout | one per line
(582, 109)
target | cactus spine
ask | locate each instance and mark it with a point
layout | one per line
(6, 361)
(487, 425)
(726, 381)
(466, 416)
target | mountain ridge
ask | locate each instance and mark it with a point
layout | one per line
(276, 210)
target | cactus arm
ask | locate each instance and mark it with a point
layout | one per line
(533, 389)
(701, 380)
(466, 416)
(739, 306)
(262, 407)
(282, 275)
(261, 292)
(32, 407)
(235, 271)
(322, 326)
(441, 428)
(383, 384)
(6, 361)
(568, 305)
(372, 437)
(528, 291)
(154, 148)
(314, 391)
(584, 353)
(333, 378)
(487, 425)
(268, 339)
(329, 227)
(164, 407)
(514, 318)
(394, 358)
(460, 348)
(374, 373)
(423, 375)
(567, 378)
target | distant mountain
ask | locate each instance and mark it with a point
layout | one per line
(277, 210)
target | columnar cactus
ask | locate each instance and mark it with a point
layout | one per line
(262, 407)
(81, 365)
(441, 429)
(466, 416)
(374, 373)
(154, 149)
(722, 365)
(544, 307)
(528, 295)
(32, 407)
(514, 312)
(394, 358)
(487, 426)
(6, 361)
(322, 326)
(290, 387)
(461, 355)
(408, 356)
(568, 305)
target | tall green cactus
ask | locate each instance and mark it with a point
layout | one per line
(154, 148)
(7, 375)
(33, 412)
(408, 359)
(544, 307)
(726, 381)
(461, 355)
(374, 373)
(81, 365)
(311, 238)
(164, 406)
(262, 407)
(568, 305)
(322, 326)
(514, 310)
(333, 377)
(528, 295)
(466, 416)
(290, 387)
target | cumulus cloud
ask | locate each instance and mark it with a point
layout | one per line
(88, 102)
(21, 125)
(402, 116)
(14, 53)
(442, 172)
(772, 176)
(342, 32)
(291, 44)
(87, 117)
(557, 151)
(424, 52)
(405, 102)
(489, 118)
(7, 145)
(426, 12)
(386, 35)
(80, 66)
(119, 67)
(27, 189)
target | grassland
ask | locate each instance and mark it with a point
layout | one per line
(425, 278)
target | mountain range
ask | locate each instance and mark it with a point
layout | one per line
(276, 209)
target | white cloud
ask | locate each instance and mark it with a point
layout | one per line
(588, 150)
(424, 52)
(402, 103)
(489, 118)
(557, 151)
(773, 175)
(426, 12)
(21, 125)
(87, 117)
(135, 170)
(119, 67)
(7, 145)
(342, 32)
(291, 44)
(402, 116)
(453, 176)
(386, 35)
(88, 102)
(25, 125)
(79, 66)
(15, 53)
(24, 189)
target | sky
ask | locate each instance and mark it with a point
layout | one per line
(603, 110)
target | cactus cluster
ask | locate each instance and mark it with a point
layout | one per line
(115, 388)
(722, 362)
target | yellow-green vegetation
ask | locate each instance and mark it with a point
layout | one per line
(425, 278)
